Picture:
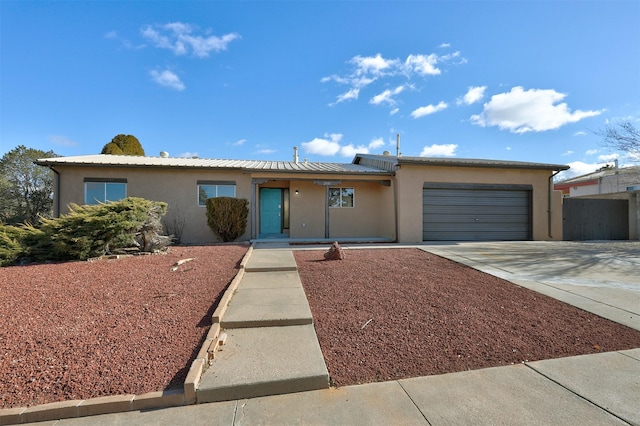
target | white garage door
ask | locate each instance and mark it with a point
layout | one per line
(475, 212)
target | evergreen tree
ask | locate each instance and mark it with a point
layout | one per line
(123, 145)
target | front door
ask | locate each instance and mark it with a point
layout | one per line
(270, 211)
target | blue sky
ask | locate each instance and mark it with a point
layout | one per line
(516, 80)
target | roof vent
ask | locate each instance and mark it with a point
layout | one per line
(164, 154)
(387, 153)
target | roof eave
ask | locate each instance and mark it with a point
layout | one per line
(491, 165)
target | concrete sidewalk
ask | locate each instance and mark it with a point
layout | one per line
(598, 389)
(601, 389)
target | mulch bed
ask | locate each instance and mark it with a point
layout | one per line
(386, 314)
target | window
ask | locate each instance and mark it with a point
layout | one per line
(341, 197)
(104, 190)
(213, 189)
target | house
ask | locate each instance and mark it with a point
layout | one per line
(609, 179)
(602, 205)
(374, 198)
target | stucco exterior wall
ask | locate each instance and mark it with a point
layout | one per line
(177, 187)
(410, 180)
(371, 216)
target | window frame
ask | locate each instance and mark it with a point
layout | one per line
(106, 182)
(342, 196)
(216, 184)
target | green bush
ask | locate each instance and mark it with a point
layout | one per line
(227, 217)
(11, 248)
(87, 231)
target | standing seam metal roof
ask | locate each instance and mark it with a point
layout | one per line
(245, 165)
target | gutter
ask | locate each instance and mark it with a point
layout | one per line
(549, 190)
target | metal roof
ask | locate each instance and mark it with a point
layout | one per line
(456, 162)
(605, 171)
(204, 163)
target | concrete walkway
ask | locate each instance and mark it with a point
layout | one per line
(272, 346)
(599, 389)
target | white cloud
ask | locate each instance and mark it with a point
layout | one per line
(375, 65)
(266, 151)
(351, 94)
(423, 64)
(473, 95)
(578, 168)
(181, 39)
(444, 45)
(387, 96)
(351, 150)
(376, 143)
(567, 153)
(580, 133)
(429, 109)
(113, 35)
(607, 158)
(366, 70)
(435, 150)
(62, 140)
(330, 145)
(324, 146)
(592, 151)
(533, 110)
(188, 155)
(239, 142)
(167, 78)
(394, 111)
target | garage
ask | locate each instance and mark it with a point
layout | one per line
(476, 212)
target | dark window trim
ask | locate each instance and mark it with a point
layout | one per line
(216, 182)
(105, 180)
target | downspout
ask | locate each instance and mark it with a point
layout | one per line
(395, 206)
(56, 201)
(550, 190)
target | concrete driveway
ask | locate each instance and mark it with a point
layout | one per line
(602, 277)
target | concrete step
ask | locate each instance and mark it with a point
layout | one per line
(264, 260)
(268, 299)
(264, 361)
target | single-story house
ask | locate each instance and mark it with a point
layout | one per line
(375, 197)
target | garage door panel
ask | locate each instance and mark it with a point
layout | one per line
(475, 210)
(476, 214)
(460, 219)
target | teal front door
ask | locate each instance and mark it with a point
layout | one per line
(270, 211)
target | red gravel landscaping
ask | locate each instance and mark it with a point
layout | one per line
(386, 314)
(78, 330)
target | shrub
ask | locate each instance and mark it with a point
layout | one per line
(88, 231)
(11, 248)
(227, 217)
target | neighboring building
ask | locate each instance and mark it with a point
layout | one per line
(607, 180)
(614, 212)
(375, 197)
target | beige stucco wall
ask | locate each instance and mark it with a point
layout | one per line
(176, 187)
(410, 180)
(372, 216)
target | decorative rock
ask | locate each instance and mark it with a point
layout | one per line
(335, 252)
